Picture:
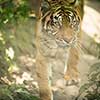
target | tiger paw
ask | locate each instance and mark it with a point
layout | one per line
(73, 82)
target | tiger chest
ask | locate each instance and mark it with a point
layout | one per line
(49, 46)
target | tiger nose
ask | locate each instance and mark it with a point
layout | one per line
(68, 39)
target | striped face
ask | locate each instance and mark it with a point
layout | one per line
(63, 23)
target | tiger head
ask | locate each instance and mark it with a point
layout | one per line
(62, 19)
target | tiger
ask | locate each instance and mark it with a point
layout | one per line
(60, 30)
(63, 25)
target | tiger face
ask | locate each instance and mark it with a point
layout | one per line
(62, 20)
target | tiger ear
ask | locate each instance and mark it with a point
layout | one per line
(71, 1)
(48, 1)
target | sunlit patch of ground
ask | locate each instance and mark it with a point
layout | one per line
(91, 23)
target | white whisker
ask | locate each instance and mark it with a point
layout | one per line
(80, 48)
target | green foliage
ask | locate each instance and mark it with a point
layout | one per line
(12, 10)
(15, 92)
(98, 45)
(4, 58)
(91, 89)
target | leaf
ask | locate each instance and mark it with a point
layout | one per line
(95, 67)
(84, 88)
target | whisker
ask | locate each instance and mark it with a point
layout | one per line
(80, 50)
(82, 46)
(79, 47)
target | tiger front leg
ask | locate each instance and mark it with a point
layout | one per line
(43, 78)
(72, 73)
